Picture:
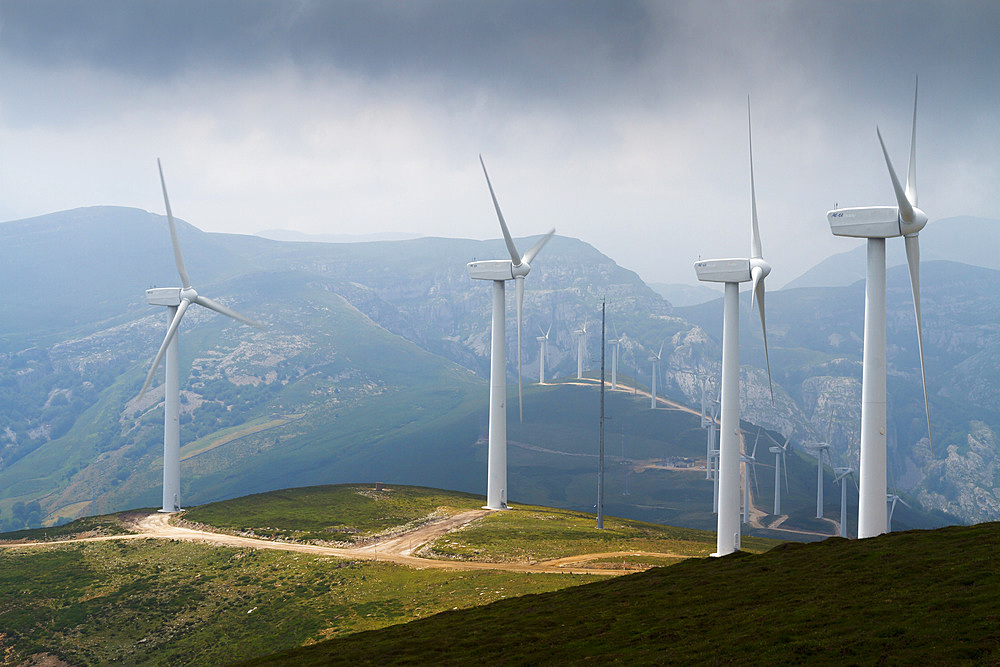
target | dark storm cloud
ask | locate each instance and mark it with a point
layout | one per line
(548, 46)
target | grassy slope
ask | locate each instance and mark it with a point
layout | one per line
(161, 602)
(925, 597)
(343, 512)
(543, 533)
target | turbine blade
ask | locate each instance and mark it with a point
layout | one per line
(178, 258)
(755, 251)
(661, 349)
(519, 292)
(758, 291)
(225, 310)
(911, 175)
(533, 250)
(913, 260)
(171, 332)
(905, 207)
(755, 441)
(503, 225)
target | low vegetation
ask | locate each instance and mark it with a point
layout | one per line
(531, 534)
(336, 513)
(89, 526)
(918, 597)
(146, 601)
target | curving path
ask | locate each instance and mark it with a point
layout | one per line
(396, 549)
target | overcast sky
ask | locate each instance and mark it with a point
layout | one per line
(620, 123)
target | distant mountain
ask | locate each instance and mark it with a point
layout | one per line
(965, 240)
(302, 237)
(365, 359)
(374, 359)
(685, 295)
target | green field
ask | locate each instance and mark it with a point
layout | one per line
(917, 597)
(171, 603)
(333, 513)
(531, 534)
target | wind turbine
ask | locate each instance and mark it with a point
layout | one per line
(820, 449)
(709, 423)
(877, 223)
(500, 271)
(779, 465)
(732, 272)
(890, 500)
(177, 300)
(581, 335)
(841, 476)
(749, 467)
(543, 345)
(615, 344)
(655, 359)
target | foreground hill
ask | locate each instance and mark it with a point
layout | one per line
(132, 588)
(919, 597)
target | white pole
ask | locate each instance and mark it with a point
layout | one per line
(715, 482)
(843, 506)
(746, 492)
(496, 473)
(819, 484)
(541, 361)
(729, 438)
(871, 501)
(652, 393)
(614, 367)
(579, 357)
(171, 425)
(777, 483)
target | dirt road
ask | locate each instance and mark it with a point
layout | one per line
(396, 549)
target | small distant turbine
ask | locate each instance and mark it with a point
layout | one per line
(177, 300)
(655, 359)
(749, 468)
(499, 271)
(877, 223)
(890, 500)
(615, 345)
(543, 347)
(841, 476)
(732, 272)
(779, 465)
(581, 346)
(820, 448)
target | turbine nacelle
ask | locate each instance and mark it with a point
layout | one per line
(724, 270)
(164, 296)
(491, 269)
(874, 222)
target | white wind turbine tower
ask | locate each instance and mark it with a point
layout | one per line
(877, 223)
(779, 465)
(177, 300)
(655, 359)
(581, 345)
(820, 448)
(708, 423)
(500, 271)
(543, 347)
(732, 272)
(749, 468)
(841, 476)
(615, 345)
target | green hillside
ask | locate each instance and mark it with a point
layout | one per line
(918, 597)
(155, 601)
